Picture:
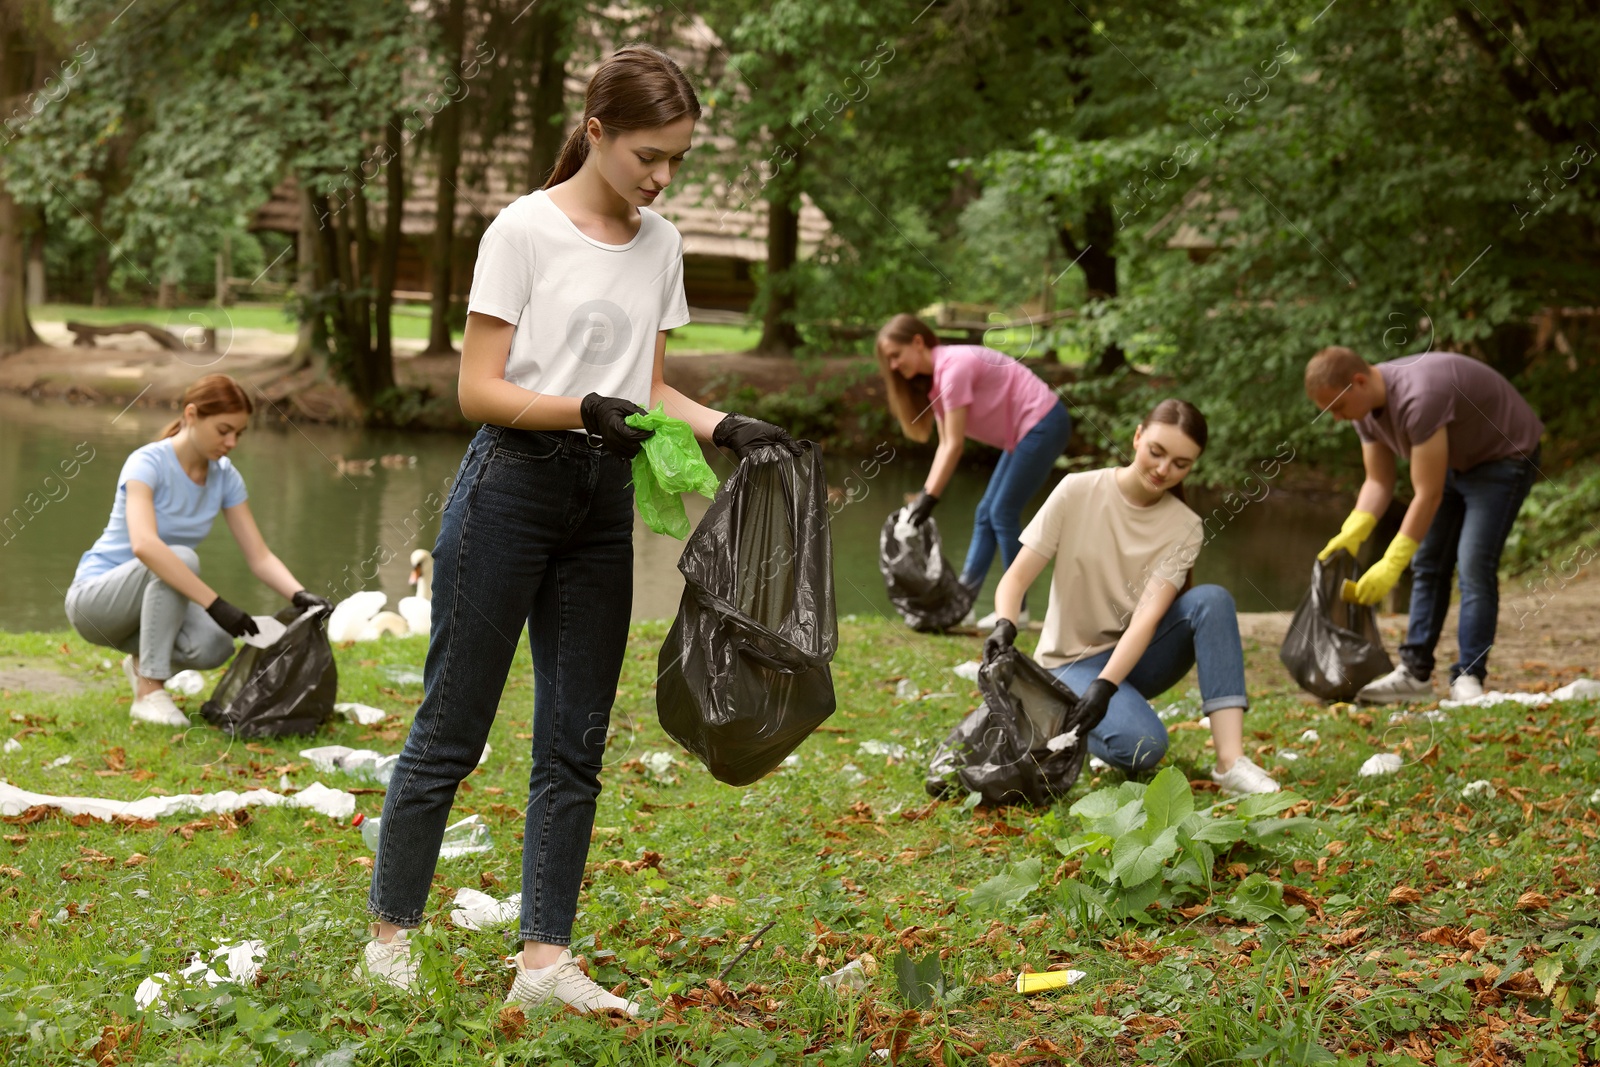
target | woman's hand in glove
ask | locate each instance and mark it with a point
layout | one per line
(305, 600)
(1005, 632)
(1096, 700)
(232, 619)
(918, 510)
(743, 434)
(603, 416)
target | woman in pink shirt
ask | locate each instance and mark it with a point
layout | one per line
(972, 391)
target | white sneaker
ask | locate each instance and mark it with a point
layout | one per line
(157, 707)
(1396, 687)
(563, 981)
(1244, 777)
(388, 961)
(988, 621)
(1466, 687)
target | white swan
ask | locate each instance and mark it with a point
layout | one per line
(418, 609)
(351, 615)
(384, 622)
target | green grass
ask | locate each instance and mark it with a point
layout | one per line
(410, 321)
(1407, 943)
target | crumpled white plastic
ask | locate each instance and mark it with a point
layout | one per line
(1381, 763)
(330, 758)
(968, 670)
(1481, 788)
(361, 714)
(334, 803)
(152, 990)
(1061, 741)
(186, 682)
(1582, 689)
(883, 748)
(478, 910)
(13, 745)
(659, 765)
(243, 961)
(852, 975)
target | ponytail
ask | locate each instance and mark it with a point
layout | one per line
(215, 394)
(637, 88)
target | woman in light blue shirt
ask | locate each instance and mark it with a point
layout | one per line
(138, 589)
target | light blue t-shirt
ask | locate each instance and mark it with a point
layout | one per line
(184, 510)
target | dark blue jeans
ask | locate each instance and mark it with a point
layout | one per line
(1019, 474)
(1200, 629)
(1468, 533)
(538, 531)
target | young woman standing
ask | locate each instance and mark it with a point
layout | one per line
(138, 589)
(573, 288)
(972, 391)
(1123, 624)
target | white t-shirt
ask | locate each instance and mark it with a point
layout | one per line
(587, 313)
(1106, 551)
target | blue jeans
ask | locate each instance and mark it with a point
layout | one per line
(1019, 474)
(1468, 533)
(538, 530)
(1200, 629)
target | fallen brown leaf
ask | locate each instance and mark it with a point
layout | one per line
(1404, 894)
(1532, 901)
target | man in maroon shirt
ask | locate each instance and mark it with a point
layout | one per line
(1473, 443)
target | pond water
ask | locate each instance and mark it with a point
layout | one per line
(351, 531)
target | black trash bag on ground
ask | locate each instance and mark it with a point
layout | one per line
(744, 674)
(1333, 647)
(1026, 743)
(923, 587)
(288, 687)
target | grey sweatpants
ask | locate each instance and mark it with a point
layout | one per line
(131, 610)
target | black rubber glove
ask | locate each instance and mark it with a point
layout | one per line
(305, 600)
(741, 433)
(603, 417)
(1005, 632)
(919, 509)
(231, 619)
(1096, 700)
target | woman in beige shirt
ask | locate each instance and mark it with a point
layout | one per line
(1123, 623)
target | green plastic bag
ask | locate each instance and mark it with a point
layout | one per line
(669, 463)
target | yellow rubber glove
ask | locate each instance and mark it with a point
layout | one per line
(1356, 529)
(1383, 574)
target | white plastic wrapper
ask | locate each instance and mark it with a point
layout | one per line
(479, 910)
(186, 682)
(334, 803)
(361, 714)
(1582, 689)
(1380, 764)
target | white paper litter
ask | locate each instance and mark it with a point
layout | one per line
(883, 748)
(330, 758)
(852, 975)
(968, 670)
(1098, 764)
(186, 682)
(61, 761)
(1061, 741)
(243, 962)
(1309, 737)
(791, 760)
(1289, 754)
(658, 765)
(151, 990)
(334, 803)
(270, 630)
(361, 714)
(13, 745)
(851, 774)
(1480, 788)
(1382, 763)
(906, 689)
(478, 910)
(1582, 689)
(1431, 715)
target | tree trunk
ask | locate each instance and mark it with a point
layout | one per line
(18, 63)
(548, 103)
(312, 343)
(779, 335)
(378, 370)
(447, 128)
(1099, 268)
(36, 276)
(389, 254)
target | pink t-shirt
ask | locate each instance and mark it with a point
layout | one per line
(1004, 399)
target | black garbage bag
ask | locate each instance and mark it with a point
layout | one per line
(1333, 647)
(744, 674)
(1025, 743)
(288, 687)
(923, 587)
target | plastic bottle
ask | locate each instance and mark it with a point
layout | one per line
(466, 837)
(369, 829)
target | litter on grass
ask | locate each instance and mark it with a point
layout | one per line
(241, 963)
(13, 745)
(1289, 754)
(1480, 788)
(1310, 737)
(906, 689)
(1431, 715)
(852, 975)
(883, 748)
(1381, 763)
(968, 670)
(658, 765)
(851, 774)
(334, 803)
(186, 682)
(361, 714)
(477, 910)
(1582, 689)
(1039, 981)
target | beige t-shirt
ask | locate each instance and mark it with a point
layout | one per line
(1106, 551)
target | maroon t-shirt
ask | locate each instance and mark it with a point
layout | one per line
(1486, 417)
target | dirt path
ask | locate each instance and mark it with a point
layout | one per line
(1549, 633)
